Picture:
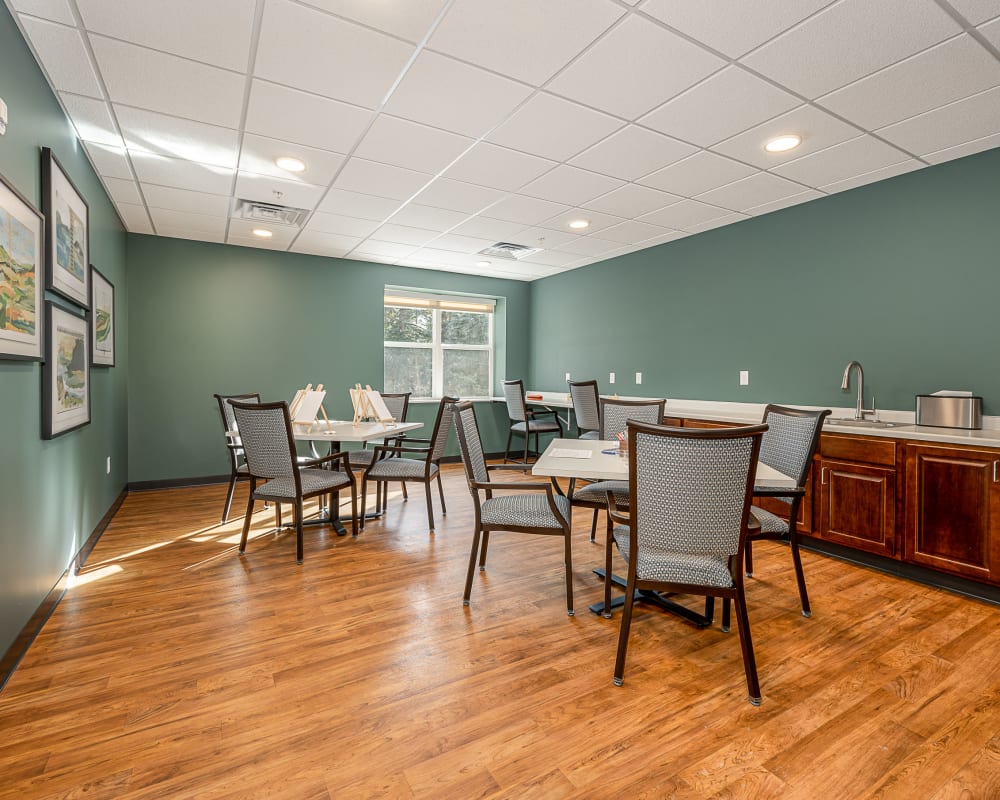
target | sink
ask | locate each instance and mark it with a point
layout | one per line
(863, 423)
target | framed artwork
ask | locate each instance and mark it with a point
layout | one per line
(67, 233)
(22, 230)
(65, 373)
(102, 320)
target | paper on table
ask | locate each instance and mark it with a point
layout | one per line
(565, 452)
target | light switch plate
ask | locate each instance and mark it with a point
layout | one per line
(744, 377)
(611, 378)
(638, 379)
(567, 376)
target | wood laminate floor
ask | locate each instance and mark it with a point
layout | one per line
(176, 668)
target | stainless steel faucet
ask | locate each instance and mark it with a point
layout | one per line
(860, 410)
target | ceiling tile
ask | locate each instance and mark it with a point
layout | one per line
(448, 94)
(340, 225)
(151, 168)
(842, 161)
(699, 173)
(489, 228)
(462, 244)
(849, 40)
(552, 258)
(177, 138)
(818, 130)
(598, 221)
(976, 11)
(403, 234)
(992, 32)
(372, 247)
(950, 71)
(631, 153)
(545, 238)
(257, 243)
(632, 232)
(137, 76)
(381, 180)
(92, 119)
(292, 116)
(410, 19)
(419, 216)
(570, 186)
(632, 200)
(267, 189)
(752, 191)
(189, 28)
(948, 126)
(458, 196)
(391, 140)
(135, 217)
(871, 177)
(525, 39)
(553, 128)
(174, 232)
(214, 205)
(54, 10)
(185, 221)
(785, 202)
(370, 258)
(64, 56)
(725, 104)
(354, 204)
(719, 222)
(259, 153)
(733, 27)
(302, 47)
(526, 210)
(684, 214)
(123, 191)
(281, 235)
(498, 167)
(110, 162)
(967, 149)
(615, 74)
(324, 244)
(589, 246)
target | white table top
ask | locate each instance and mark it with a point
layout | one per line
(338, 431)
(563, 399)
(613, 467)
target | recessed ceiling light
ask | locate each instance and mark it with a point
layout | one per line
(783, 143)
(483, 263)
(579, 224)
(290, 164)
(262, 233)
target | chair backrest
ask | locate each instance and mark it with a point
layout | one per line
(398, 405)
(442, 427)
(690, 489)
(226, 410)
(791, 440)
(268, 446)
(513, 393)
(615, 414)
(470, 443)
(586, 405)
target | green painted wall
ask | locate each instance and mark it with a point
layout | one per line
(902, 275)
(53, 493)
(208, 318)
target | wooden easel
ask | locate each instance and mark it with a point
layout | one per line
(368, 402)
(306, 404)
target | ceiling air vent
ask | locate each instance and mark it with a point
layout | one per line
(514, 252)
(270, 213)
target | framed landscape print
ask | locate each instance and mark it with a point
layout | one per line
(102, 320)
(67, 233)
(65, 373)
(22, 230)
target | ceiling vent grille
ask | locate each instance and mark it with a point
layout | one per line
(270, 213)
(508, 250)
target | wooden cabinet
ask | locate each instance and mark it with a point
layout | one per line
(857, 493)
(953, 510)
(707, 423)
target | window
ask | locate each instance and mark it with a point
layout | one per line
(438, 344)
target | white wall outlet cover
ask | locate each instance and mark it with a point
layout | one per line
(638, 379)
(744, 377)
(567, 376)
(611, 378)
(107, 468)
(3, 117)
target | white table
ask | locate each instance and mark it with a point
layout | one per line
(554, 400)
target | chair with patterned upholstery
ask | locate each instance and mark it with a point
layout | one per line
(689, 495)
(614, 415)
(535, 508)
(237, 463)
(586, 408)
(398, 405)
(526, 421)
(391, 462)
(276, 474)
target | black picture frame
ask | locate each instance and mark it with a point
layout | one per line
(66, 386)
(102, 320)
(67, 233)
(22, 300)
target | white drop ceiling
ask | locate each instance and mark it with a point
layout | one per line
(431, 129)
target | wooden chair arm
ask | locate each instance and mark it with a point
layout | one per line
(779, 491)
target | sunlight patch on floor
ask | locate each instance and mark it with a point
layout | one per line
(83, 578)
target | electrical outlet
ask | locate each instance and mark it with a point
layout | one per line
(744, 377)
(567, 376)
(107, 468)
(638, 379)
(611, 378)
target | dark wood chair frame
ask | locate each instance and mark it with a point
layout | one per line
(234, 449)
(381, 497)
(530, 414)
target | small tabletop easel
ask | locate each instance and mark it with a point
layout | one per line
(306, 404)
(368, 403)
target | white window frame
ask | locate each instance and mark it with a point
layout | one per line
(438, 303)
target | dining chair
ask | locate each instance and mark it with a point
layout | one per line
(614, 415)
(237, 463)
(534, 508)
(275, 472)
(398, 405)
(526, 421)
(392, 463)
(688, 522)
(586, 408)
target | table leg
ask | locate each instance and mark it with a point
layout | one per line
(658, 599)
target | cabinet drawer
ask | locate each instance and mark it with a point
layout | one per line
(867, 449)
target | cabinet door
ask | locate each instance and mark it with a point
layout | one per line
(952, 510)
(858, 506)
